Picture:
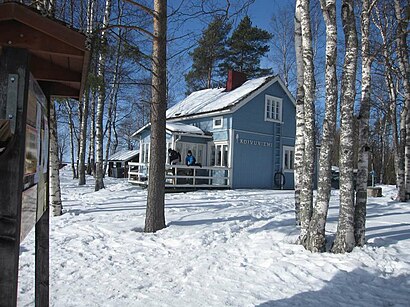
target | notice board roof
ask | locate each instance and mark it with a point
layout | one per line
(59, 58)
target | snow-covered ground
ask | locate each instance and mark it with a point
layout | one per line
(221, 248)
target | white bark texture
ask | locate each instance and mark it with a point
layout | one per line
(403, 57)
(316, 240)
(300, 114)
(83, 139)
(397, 131)
(345, 241)
(55, 192)
(155, 214)
(99, 133)
(363, 157)
(86, 101)
(69, 109)
(113, 99)
(306, 193)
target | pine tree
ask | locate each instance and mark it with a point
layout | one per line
(246, 47)
(206, 57)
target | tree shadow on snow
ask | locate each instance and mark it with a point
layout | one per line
(388, 236)
(358, 288)
(216, 220)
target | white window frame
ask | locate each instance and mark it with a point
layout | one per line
(291, 168)
(215, 119)
(221, 145)
(273, 109)
(144, 152)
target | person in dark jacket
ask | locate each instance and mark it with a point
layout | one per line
(190, 159)
(173, 156)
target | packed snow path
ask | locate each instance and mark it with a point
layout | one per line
(221, 248)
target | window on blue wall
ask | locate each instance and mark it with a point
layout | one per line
(288, 158)
(273, 109)
(219, 154)
(144, 157)
(218, 122)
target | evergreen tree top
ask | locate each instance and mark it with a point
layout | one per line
(246, 47)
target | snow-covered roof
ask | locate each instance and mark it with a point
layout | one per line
(211, 100)
(123, 155)
(183, 128)
(175, 128)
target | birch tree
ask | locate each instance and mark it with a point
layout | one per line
(55, 192)
(69, 109)
(283, 42)
(384, 24)
(99, 169)
(403, 61)
(306, 193)
(91, 146)
(316, 240)
(300, 114)
(112, 97)
(86, 99)
(364, 115)
(345, 240)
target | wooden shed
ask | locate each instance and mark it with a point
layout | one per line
(118, 163)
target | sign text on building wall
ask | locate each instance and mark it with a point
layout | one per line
(252, 142)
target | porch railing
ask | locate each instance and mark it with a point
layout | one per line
(183, 176)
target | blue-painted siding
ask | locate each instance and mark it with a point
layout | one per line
(250, 120)
(252, 161)
(257, 145)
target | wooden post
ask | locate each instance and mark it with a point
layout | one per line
(42, 259)
(42, 237)
(14, 81)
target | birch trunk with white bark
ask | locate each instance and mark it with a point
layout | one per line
(345, 240)
(69, 109)
(403, 57)
(99, 169)
(55, 192)
(300, 114)
(86, 100)
(398, 130)
(306, 193)
(316, 240)
(364, 115)
(91, 147)
(113, 99)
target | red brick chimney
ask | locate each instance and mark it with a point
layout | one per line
(235, 79)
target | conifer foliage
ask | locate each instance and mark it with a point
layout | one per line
(209, 53)
(245, 48)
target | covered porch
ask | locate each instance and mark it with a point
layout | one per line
(212, 170)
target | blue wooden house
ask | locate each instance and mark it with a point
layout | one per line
(242, 135)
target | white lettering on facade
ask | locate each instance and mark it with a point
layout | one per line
(254, 143)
